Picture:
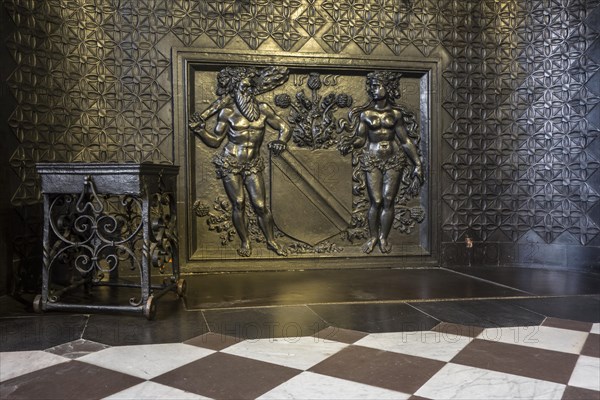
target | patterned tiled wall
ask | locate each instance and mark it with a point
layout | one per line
(521, 147)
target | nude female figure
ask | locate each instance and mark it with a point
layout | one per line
(381, 130)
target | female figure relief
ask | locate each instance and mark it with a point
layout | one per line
(387, 133)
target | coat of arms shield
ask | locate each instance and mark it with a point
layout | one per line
(311, 193)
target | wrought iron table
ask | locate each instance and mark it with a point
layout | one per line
(108, 225)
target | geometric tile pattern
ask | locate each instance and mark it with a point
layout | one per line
(521, 146)
(521, 91)
(378, 366)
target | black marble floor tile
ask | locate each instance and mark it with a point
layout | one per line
(591, 348)
(226, 376)
(39, 332)
(375, 317)
(171, 324)
(567, 324)
(213, 341)
(482, 313)
(577, 308)
(104, 295)
(575, 393)
(57, 382)
(547, 365)
(12, 307)
(331, 286)
(265, 322)
(455, 330)
(394, 371)
(543, 282)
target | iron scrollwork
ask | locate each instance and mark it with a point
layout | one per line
(108, 225)
(162, 233)
(96, 234)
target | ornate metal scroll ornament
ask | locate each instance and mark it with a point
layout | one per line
(241, 123)
(95, 234)
(387, 161)
(163, 224)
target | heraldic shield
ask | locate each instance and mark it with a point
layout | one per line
(311, 193)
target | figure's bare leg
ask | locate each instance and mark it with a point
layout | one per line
(235, 192)
(374, 185)
(256, 189)
(391, 183)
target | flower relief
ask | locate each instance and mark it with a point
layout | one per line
(312, 116)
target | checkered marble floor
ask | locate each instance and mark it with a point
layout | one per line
(559, 359)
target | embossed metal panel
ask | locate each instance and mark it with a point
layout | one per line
(317, 194)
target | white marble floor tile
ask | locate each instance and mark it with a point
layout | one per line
(461, 382)
(596, 328)
(541, 337)
(428, 344)
(586, 373)
(146, 361)
(152, 390)
(309, 385)
(300, 352)
(77, 348)
(16, 363)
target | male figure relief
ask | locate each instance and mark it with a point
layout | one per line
(243, 123)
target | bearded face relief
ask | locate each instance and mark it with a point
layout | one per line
(245, 100)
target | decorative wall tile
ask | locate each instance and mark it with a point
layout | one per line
(92, 84)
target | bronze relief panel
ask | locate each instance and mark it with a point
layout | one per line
(306, 165)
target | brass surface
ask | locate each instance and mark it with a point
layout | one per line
(513, 106)
(317, 189)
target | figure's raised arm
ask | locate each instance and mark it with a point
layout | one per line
(212, 139)
(197, 122)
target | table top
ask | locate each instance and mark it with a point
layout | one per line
(108, 178)
(106, 168)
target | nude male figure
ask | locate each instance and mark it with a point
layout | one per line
(242, 122)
